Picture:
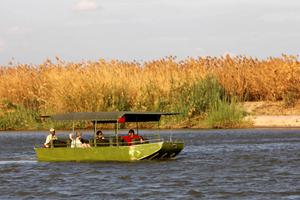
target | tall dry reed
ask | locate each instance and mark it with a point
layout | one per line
(163, 84)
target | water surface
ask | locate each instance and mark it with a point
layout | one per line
(215, 164)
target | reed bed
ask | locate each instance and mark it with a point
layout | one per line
(166, 84)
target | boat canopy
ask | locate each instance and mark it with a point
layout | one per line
(111, 117)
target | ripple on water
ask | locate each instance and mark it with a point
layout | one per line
(218, 164)
(9, 162)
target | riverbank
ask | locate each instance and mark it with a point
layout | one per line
(207, 91)
(283, 121)
(260, 114)
(272, 114)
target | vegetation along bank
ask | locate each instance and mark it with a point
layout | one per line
(208, 91)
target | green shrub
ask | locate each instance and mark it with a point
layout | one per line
(18, 117)
(201, 96)
(225, 115)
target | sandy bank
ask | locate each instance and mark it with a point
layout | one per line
(273, 114)
(275, 120)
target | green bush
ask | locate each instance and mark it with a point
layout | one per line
(207, 98)
(225, 115)
(18, 117)
(200, 97)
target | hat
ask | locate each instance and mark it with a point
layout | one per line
(52, 130)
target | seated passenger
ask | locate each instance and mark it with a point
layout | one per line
(74, 142)
(100, 139)
(79, 141)
(132, 137)
(51, 137)
(137, 138)
(99, 135)
(128, 138)
(85, 143)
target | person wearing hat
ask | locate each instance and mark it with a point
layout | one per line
(50, 138)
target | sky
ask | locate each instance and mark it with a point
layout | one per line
(32, 31)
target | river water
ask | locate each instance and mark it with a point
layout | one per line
(215, 164)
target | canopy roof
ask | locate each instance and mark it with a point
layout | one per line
(111, 117)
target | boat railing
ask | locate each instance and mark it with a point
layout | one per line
(108, 141)
(112, 141)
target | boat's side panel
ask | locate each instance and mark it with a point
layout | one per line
(168, 150)
(111, 153)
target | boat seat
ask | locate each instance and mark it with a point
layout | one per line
(59, 143)
(103, 142)
(120, 141)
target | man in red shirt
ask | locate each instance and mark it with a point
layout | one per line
(131, 136)
(128, 138)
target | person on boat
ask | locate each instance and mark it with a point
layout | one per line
(100, 139)
(74, 142)
(51, 137)
(128, 138)
(78, 141)
(85, 143)
(99, 135)
(137, 137)
(131, 137)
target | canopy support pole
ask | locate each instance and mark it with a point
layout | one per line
(158, 129)
(95, 129)
(117, 133)
(73, 131)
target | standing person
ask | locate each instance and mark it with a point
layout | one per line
(51, 136)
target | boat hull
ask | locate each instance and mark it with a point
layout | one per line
(110, 153)
(167, 151)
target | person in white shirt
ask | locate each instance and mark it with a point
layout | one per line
(79, 141)
(75, 142)
(50, 138)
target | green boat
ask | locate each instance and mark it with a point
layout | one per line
(114, 149)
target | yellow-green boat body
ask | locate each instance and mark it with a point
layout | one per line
(156, 150)
(115, 149)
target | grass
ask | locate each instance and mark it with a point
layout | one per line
(191, 86)
(18, 117)
(226, 115)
